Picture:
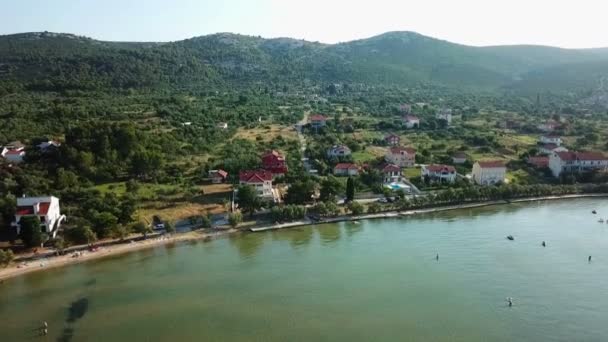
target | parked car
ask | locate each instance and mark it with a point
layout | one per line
(157, 223)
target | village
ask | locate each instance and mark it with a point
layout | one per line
(337, 177)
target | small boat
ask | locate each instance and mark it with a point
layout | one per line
(594, 212)
(510, 237)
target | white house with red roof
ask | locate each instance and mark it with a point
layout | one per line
(391, 173)
(440, 173)
(261, 180)
(392, 139)
(317, 121)
(218, 176)
(46, 208)
(338, 151)
(489, 172)
(550, 139)
(274, 162)
(549, 148)
(346, 169)
(548, 126)
(560, 162)
(401, 156)
(411, 121)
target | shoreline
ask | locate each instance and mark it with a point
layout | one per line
(45, 263)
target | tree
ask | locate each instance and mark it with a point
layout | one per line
(248, 199)
(169, 228)
(373, 208)
(60, 245)
(119, 231)
(103, 223)
(31, 233)
(356, 208)
(235, 219)
(81, 235)
(330, 188)
(206, 221)
(350, 190)
(6, 257)
(142, 228)
(301, 192)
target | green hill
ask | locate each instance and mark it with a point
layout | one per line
(51, 61)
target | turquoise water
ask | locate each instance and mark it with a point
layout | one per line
(377, 280)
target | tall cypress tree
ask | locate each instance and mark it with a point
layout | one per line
(350, 190)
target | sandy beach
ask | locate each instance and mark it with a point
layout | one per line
(43, 263)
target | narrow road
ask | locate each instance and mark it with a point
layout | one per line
(299, 128)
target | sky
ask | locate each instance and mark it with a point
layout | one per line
(563, 23)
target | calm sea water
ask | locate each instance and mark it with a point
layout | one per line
(375, 281)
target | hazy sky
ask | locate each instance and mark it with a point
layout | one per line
(581, 23)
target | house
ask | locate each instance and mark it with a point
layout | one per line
(459, 158)
(411, 121)
(539, 162)
(338, 151)
(261, 180)
(45, 145)
(274, 162)
(550, 139)
(444, 114)
(489, 172)
(46, 208)
(392, 139)
(560, 162)
(218, 176)
(440, 173)
(391, 173)
(346, 169)
(548, 126)
(405, 108)
(222, 125)
(550, 148)
(15, 145)
(13, 155)
(317, 121)
(401, 156)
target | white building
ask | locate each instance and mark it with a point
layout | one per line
(459, 158)
(560, 162)
(439, 173)
(261, 180)
(489, 172)
(548, 126)
(338, 151)
(401, 156)
(46, 208)
(550, 139)
(444, 114)
(550, 148)
(411, 121)
(391, 174)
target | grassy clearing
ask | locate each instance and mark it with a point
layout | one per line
(266, 133)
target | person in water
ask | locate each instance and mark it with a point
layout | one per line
(437, 257)
(510, 300)
(589, 258)
(544, 244)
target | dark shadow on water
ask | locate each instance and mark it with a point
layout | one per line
(248, 245)
(77, 310)
(329, 233)
(91, 282)
(352, 228)
(66, 335)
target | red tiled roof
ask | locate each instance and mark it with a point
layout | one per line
(43, 208)
(550, 146)
(410, 118)
(390, 168)
(28, 210)
(317, 117)
(255, 176)
(440, 168)
(398, 150)
(274, 154)
(570, 156)
(539, 161)
(219, 172)
(15, 152)
(345, 166)
(490, 164)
